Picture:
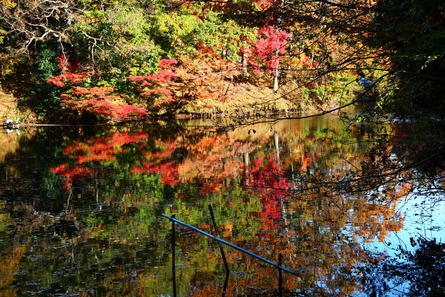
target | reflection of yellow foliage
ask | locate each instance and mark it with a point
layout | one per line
(403, 190)
(5, 220)
(214, 158)
(8, 144)
(9, 265)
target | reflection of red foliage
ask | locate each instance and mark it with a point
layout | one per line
(59, 169)
(102, 149)
(305, 163)
(110, 144)
(70, 173)
(268, 181)
(168, 171)
(164, 154)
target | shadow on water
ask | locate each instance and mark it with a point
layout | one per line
(80, 209)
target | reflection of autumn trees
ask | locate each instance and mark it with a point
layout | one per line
(9, 143)
(211, 158)
(104, 149)
(268, 181)
(214, 159)
(416, 271)
(9, 266)
(309, 190)
(307, 155)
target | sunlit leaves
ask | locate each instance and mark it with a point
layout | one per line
(264, 4)
(158, 83)
(97, 100)
(266, 53)
(175, 29)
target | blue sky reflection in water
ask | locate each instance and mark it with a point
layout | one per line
(81, 208)
(423, 217)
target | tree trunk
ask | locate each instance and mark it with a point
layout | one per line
(277, 146)
(276, 74)
(244, 62)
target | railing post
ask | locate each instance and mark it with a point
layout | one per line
(173, 241)
(226, 282)
(215, 226)
(280, 276)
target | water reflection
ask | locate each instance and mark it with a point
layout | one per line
(80, 208)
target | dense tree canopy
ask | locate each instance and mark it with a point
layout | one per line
(310, 53)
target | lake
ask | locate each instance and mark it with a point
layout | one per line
(346, 205)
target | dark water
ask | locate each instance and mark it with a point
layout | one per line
(80, 209)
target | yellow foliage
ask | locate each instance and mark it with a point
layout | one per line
(8, 4)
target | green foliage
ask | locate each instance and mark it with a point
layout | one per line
(222, 34)
(173, 30)
(118, 40)
(46, 64)
(45, 98)
(186, 29)
(129, 23)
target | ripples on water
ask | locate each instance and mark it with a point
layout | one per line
(80, 208)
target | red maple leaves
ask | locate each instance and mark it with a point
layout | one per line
(157, 83)
(97, 100)
(67, 76)
(265, 54)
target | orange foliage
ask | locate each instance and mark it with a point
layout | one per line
(207, 76)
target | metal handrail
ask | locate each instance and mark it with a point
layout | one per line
(230, 244)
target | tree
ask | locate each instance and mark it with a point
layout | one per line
(265, 54)
(29, 22)
(96, 100)
(411, 34)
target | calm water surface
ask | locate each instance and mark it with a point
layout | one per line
(80, 208)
